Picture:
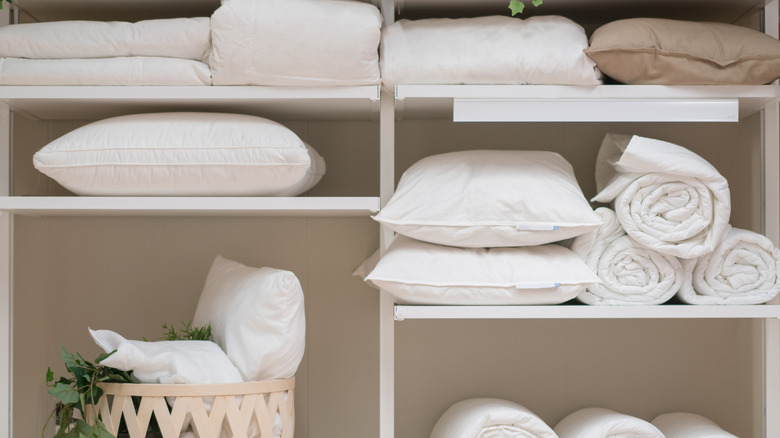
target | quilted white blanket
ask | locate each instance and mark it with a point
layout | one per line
(490, 418)
(602, 422)
(629, 272)
(666, 197)
(743, 269)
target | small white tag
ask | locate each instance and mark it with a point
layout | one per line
(537, 285)
(536, 227)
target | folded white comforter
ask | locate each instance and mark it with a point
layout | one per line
(629, 272)
(104, 71)
(743, 269)
(490, 418)
(666, 197)
(601, 422)
(686, 425)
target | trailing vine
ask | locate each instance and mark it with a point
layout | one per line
(517, 6)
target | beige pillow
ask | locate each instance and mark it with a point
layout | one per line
(662, 51)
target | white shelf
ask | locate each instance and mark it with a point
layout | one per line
(189, 206)
(437, 101)
(279, 103)
(403, 312)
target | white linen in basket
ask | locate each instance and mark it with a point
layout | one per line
(490, 418)
(416, 272)
(295, 43)
(743, 269)
(489, 198)
(666, 197)
(136, 70)
(186, 38)
(486, 50)
(182, 154)
(687, 425)
(629, 272)
(257, 316)
(604, 423)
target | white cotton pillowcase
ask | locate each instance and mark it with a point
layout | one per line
(604, 423)
(490, 418)
(177, 362)
(187, 38)
(257, 316)
(182, 154)
(416, 272)
(288, 43)
(489, 198)
(486, 50)
(687, 425)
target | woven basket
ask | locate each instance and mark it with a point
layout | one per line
(233, 406)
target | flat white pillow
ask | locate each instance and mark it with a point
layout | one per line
(295, 43)
(490, 418)
(187, 38)
(687, 425)
(256, 316)
(604, 423)
(486, 50)
(181, 362)
(182, 154)
(416, 272)
(489, 198)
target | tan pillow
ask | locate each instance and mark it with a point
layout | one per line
(662, 51)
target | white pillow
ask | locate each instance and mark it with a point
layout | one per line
(181, 362)
(256, 316)
(486, 50)
(489, 198)
(604, 423)
(416, 272)
(182, 154)
(295, 43)
(490, 418)
(687, 425)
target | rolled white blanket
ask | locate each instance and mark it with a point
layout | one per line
(743, 269)
(601, 422)
(490, 418)
(666, 197)
(629, 272)
(687, 425)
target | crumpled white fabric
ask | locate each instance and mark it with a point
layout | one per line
(666, 197)
(687, 425)
(490, 418)
(601, 422)
(743, 269)
(629, 272)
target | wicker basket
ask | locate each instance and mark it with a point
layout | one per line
(234, 406)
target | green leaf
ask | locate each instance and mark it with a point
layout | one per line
(536, 2)
(68, 358)
(49, 372)
(65, 393)
(516, 6)
(104, 356)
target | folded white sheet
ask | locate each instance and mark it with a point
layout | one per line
(604, 423)
(743, 269)
(629, 272)
(187, 38)
(490, 418)
(666, 197)
(687, 425)
(104, 71)
(486, 50)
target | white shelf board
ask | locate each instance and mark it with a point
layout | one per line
(189, 206)
(437, 101)
(564, 311)
(279, 103)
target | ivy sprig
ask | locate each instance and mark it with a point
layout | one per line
(517, 6)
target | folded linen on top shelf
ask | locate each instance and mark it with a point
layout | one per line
(486, 50)
(666, 197)
(743, 269)
(601, 422)
(686, 425)
(490, 418)
(629, 272)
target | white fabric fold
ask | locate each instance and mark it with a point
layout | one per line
(490, 418)
(666, 197)
(629, 272)
(601, 423)
(687, 425)
(743, 269)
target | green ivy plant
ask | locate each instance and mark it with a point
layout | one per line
(186, 333)
(517, 6)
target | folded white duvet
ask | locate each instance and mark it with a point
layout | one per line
(743, 269)
(629, 272)
(666, 197)
(187, 38)
(686, 425)
(486, 50)
(104, 71)
(490, 418)
(604, 423)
